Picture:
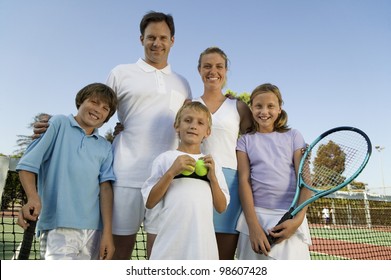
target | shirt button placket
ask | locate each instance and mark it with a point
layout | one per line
(160, 82)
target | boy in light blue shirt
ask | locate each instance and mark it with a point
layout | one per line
(67, 175)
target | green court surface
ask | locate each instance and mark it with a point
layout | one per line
(11, 236)
(355, 235)
(331, 242)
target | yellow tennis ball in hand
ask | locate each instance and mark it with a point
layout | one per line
(200, 168)
(187, 172)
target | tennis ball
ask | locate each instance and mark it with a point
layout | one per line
(187, 172)
(200, 168)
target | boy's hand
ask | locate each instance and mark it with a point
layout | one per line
(210, 165)
(107, 248)
(21, 220)
(182, 163)
(27, 213)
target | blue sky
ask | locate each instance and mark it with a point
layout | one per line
(330, 59)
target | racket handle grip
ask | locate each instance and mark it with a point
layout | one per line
(27, 241)
(28, 238)
(286, 216)
(271, 239)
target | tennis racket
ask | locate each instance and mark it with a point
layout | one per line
(329, 163)
(27, 242)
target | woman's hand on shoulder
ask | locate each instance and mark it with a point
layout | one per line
(246, 118)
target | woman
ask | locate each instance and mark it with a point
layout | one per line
(230, 117)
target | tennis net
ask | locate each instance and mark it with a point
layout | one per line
(344, 225)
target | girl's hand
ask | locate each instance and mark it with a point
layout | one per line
(258, 240)
(284, 230)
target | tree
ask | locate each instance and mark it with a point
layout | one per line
(329, 164)
(13, 192)
(25, 140)
(109, 136)
(355, 185)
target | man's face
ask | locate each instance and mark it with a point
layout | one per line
(157, 42)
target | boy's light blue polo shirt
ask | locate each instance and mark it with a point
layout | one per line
(70, 166)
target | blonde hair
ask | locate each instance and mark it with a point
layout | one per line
(211, 50)
(281, 123)
(196, 106)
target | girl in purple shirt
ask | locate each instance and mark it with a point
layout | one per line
(268, 161)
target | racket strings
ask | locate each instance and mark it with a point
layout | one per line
(334, 160)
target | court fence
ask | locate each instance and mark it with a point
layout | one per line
(343, 225)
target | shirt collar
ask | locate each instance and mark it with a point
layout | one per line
(74, 123)
(149, 68)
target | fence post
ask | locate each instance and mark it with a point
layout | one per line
(367, 210)
(6, 164)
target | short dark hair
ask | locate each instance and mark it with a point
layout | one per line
(100, 91)
(153, 16)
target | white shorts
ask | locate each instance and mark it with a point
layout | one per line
(70, 244)
(295, 247)
(128, 210)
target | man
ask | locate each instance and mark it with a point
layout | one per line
(326, 215)
(149, 96)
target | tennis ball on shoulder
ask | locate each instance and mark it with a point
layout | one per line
(200, 168)
(187, 172)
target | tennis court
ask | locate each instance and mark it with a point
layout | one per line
(337, 243)
(359, 229)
